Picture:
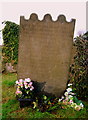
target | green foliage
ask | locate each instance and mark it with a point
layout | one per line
(40, 115)
(10, 37)
(79, 69)
(10, 81)
(8, 108)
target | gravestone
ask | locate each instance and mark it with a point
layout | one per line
(45, 52)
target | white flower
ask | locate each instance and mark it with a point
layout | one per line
(66, 93)
(69, 90)
(25, 83)
(21, 85)
(17, 82)
(60, 100)
(27, 79)
(72, 93)
(26, 86)
(69, 84)
(62, 97)
(81, 105)
(31, 88)
(70, 96)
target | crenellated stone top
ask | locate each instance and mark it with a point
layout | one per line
(47, 17)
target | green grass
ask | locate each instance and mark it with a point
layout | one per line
(11, 109)
(9, 79)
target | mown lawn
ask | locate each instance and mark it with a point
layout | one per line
(11, 109)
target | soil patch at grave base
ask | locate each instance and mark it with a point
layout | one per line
(4, 100)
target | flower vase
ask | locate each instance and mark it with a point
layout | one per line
(25, 102)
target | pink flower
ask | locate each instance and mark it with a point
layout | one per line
(71, 101)
(30, 84)
(20, 80)
(67, 98)
(25, 83)
(21, 85)
(18, 89)
(18, 92)
(65, 102)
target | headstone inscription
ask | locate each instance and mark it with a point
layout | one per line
(45, 52)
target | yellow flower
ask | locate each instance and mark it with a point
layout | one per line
(77, 107)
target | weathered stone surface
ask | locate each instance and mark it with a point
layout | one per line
(45, 51)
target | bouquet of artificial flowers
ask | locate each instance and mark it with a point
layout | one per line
(71, 100)
(24, 88)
